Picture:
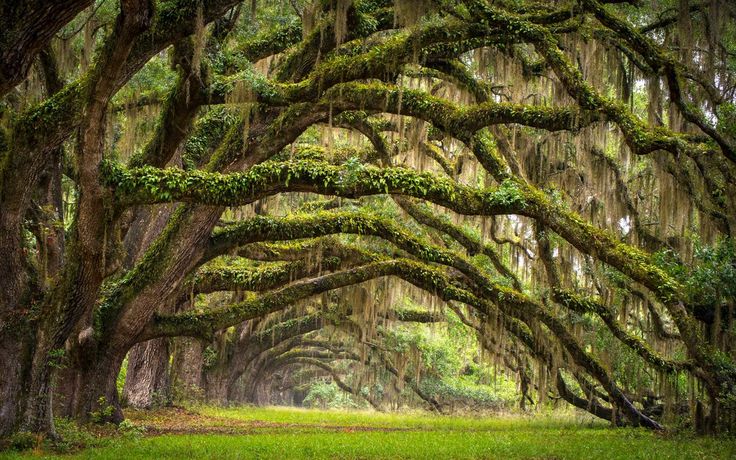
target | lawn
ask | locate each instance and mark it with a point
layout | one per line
(242, 433)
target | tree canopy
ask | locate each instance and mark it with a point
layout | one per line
(273, 192)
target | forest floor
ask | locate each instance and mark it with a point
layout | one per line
(280, 433)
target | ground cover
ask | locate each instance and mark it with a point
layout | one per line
(243, 433)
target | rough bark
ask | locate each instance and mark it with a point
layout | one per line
(147, 381)
(97, 397)
(186, 369)
(27, 27)
(15, 352)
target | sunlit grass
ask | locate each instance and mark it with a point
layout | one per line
(278, 433)
(416, 420)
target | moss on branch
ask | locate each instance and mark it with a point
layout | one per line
(460, 121)
(148, 185)
(206, 323)
(415, 315)
(233, 276)
(272, 41)
(583, 305)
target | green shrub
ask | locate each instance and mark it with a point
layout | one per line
(22, 440)
(72, 437)
(325, 395)
(130, 429)
(104, 412)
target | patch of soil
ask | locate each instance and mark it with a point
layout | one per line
(177, 420)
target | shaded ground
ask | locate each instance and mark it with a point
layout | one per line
(184, 421)
(244, 433)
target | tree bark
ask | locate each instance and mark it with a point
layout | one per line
(188, 360)
(98, 399)
(27, 27)
(147, 382)
(15, 351)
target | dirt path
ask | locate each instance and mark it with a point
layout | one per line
(176, 420)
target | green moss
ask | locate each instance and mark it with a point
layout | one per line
(52, 116)
(151, 185)
(208, 132)
(582, 304)
(270, 42)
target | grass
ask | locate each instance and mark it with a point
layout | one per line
(244, 433)
(413, 420)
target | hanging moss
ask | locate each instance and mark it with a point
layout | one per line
(587, 305)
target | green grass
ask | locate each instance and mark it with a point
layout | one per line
(414, 420)
(356, 435)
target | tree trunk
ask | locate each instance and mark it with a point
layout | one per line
(98, 399)
(251, 379)
(68, 383)
(147, 379)
(39, 415)
(14, 355)
(186, 372)
(216, 384)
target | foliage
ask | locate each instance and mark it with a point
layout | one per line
(120, 381)
(711, 277)
(462, 394)
(104, 411)
(73, 437)
(325, 395)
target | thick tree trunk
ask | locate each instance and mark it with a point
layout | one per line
(147, 378)
(98, 399)
(76, 294)
(236, 392)
(15, 337)
(239, 361)
(186, 372)
(261, 394)
(216, 384)
(15, 354)
(68, 383)
(244, 371)
(253, 379)
(39, 416)
(47, 358)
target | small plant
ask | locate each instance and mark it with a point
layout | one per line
(22, 440)
(71, 437)
(160, 399)
(56, 358)
(104, 413)
(130, 429)
(182, 393)
(209, 357)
